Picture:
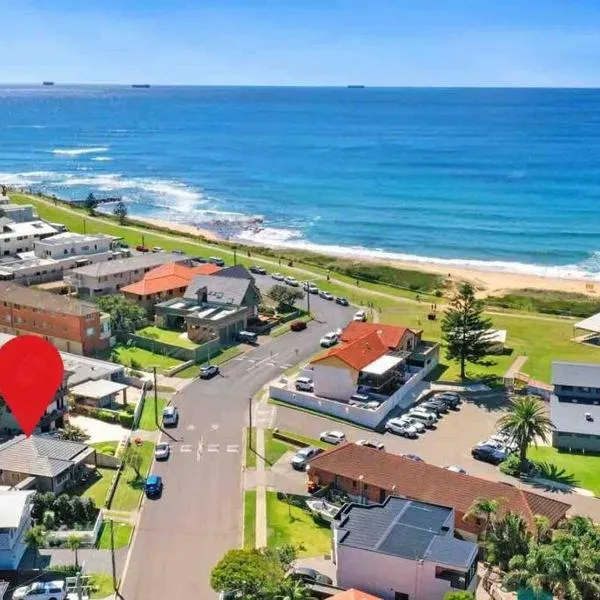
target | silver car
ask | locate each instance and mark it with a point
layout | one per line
(399, 428)
(162, 451)
(406, 420)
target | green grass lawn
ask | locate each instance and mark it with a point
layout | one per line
(106, 447)
(144, 358)
(101, 584)
(129, 489)
(167, 336)
(218, 359)
(97, 489)
(250, 519)
(304, 439)
(250, 448)
(148, 418)
(310, 538)
(122, 535)
(275, 449)
(576, 469)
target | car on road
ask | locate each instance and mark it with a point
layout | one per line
(308, 575)
(341, 301)
(301, 458)
(418, 425)
(438, 408)
(426, 417)
(153, 486)
(215, 260)
(452, 399)
(291, 281)
(360, 315)
(158, 249)
(332, 437)
(298, 326)
(370, 444)
(414, 457)
(247, 337)
(399, 428)
(42, 590)
(258, 270)
(177, 251)
(170, 416)
(162, 451)
(277, 276)
(142, 248)
(309, 287)
(455, 469)
(329, 339)
(208, 371)
(325, 295)
(489, 454)
(304, 384)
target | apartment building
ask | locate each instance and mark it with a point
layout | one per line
(70, 324)
(19, 213)
(16, 238)
(15, 522)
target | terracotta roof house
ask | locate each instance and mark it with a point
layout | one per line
(165, 282)
(372, 475)
(353, 594)
(395, 338)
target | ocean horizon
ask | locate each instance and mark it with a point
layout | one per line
(501, 179)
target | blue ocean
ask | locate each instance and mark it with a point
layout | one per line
(505, 179)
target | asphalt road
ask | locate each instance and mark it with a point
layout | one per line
(183, 534)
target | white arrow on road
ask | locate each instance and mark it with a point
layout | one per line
(190, 427)
(214, 426)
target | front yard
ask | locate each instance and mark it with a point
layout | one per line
(150, 417)
(130, 488)
(167, 336)
(97, 487)
(250, 519)
(138, 358)
(122, 535)
(287, 524)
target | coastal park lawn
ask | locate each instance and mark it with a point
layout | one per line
(149, 417)
(167, 336)
(122, 535)
(143, 359)
(130, 488)
(578, 470)
(250, 519)
(542, 338)
(289, 524)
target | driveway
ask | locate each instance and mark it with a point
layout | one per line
(182, 535)
(99, 431)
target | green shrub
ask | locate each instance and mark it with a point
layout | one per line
(126, 420)
(67, 570)
(129, 409)
(511, 466)
(108, 416)
(458, 595)
(134, 364)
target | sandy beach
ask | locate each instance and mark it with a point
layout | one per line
(184, 228)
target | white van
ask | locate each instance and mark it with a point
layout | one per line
(360, 316)
(305, 384)
(427, 418)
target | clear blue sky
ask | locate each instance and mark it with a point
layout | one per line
(302, 42)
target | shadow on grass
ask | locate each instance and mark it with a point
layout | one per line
(559, 475)
(437, 373)
(80, 488)
(263, 458)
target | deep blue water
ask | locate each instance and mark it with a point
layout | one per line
(510, 176)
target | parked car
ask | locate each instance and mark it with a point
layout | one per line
(428, 419)
(341, 301)
(142, 248)
(153, 486)
(452, 399)
(370, 444)
(332, 437)
(170, 416)
(418, 425)
(325, 295)
(308, 575)
(158, 249)
(277, 276)
(456, 469)
(313, 289)
(399, 428)
(414, 457)
(301, 458)
(495, 444)
(291, 281)
(489, 454)
(208, 371)
(329, 339)
(438, 408)
(200, 259)
(42, 590)
(162, 451)
(298, 326)
(505, 440)
(360, 315)
(258, 270)
(247, 337)
(215, 260)
(304, 384)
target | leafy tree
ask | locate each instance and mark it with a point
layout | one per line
(464, 329)
(290, 589)
(74, 542)
(91, 204)
(49, 521)
(125, 317)
(508, 537)
(35, 538)
(285, 555)
(120, 211)
(525, 423)
(91, 511)
(74, 433)
(543, 529)
(486, 509)
(62, 509)
(40, 504)
(133, 459)
(284, 295)
(77, 510)
(250, 571)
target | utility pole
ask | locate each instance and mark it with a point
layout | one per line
(112, 555)
(84, 225)
(78, 589)
(155, 398)
(308, 297)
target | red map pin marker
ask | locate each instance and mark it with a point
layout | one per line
(31, 371)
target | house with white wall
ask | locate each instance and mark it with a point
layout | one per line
(15, 521)
(402, 550)
(16, 238)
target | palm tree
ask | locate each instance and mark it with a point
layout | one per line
(293, 590)
(509, 537)
(35, 538)
(484, 508)
(74, 542)
(525, 422)
(543, 528)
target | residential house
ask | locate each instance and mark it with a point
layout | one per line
(575, 406)
(165, 282)
(45, 463)
(16, 238)
(379, 358)
(370, 476)
(354, 594)
(70, 324)
(237, 272)
(18, 213)
(15, 521)
(109, 277)
(402, 549)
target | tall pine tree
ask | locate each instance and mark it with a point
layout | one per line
(464, 329)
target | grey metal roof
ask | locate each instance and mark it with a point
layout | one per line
(40, 455)
(70, 236)
(237, 272)
(140, 261)
(98, 389)
(220, 290)
(404, 528)
(576, 374)
(575, 417)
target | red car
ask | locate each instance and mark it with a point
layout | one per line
(142, 249)
(298, 326)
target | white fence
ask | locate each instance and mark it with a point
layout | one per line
(87, 537)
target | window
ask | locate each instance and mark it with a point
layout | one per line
(90, 331)
(459, 580)
(401, 596)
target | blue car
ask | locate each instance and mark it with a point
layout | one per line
(154, 486)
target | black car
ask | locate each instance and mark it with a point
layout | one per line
(258, 270)
(488, 454)
(308, 575)
(341, 301)
(450, 399)
(208, 371)
(435, 406)
(298, 326)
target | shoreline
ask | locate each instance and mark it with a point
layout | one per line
(182, 228)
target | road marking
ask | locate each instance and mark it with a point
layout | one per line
(251, 360)
(263, 360)
(233, 448)
(286, 366)
(200, 449)
(270, 364)
(240, 358)
(214, 426)
(185, 448)
(212, 447)
(190, 427)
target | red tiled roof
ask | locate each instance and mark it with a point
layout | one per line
(428, 483)
(169, 276)
(359, 353)
(390, 334)
(353, 594)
